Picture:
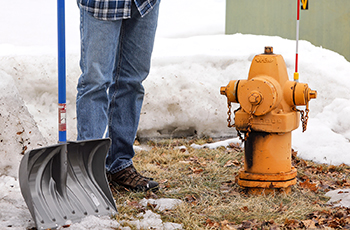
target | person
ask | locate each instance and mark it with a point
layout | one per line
(117, 38)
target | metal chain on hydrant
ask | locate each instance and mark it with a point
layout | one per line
(304, 116)
(249, 125)
(229, 114)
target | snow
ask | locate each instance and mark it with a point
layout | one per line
(339, 197)
(161, 204)
(192, 60)
(218, 144)
(151, 220)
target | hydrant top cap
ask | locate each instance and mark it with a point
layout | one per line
(268, 50)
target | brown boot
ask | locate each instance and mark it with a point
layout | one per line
(131, 179)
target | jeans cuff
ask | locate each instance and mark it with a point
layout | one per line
(121, 167)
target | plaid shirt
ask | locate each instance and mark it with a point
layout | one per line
(115, 9)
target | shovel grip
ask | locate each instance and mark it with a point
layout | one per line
(62, 126)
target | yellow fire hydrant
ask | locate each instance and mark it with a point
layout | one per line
(267, 115)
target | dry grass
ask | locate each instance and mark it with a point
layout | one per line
(205, 180)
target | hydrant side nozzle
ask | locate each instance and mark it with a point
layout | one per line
(261, 93)
(303, 94)
(230, 91)
(288, 92)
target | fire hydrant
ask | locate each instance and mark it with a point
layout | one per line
(267, 115)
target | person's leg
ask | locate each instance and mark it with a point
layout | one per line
(99, 43)
(126, 92)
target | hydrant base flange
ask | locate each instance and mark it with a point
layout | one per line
(253, 181)
(267, 191)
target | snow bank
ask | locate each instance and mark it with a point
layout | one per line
(18, 129)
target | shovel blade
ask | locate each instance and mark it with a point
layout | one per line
(63, 183)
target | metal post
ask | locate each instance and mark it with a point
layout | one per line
(296, 74)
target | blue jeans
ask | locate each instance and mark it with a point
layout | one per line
(115, 59)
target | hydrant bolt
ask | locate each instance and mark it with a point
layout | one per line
(268, 50)
(255, 98)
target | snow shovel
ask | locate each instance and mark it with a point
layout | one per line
(63, 183)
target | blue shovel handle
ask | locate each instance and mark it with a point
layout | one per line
(61, 71)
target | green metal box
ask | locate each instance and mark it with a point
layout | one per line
(324, 23)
